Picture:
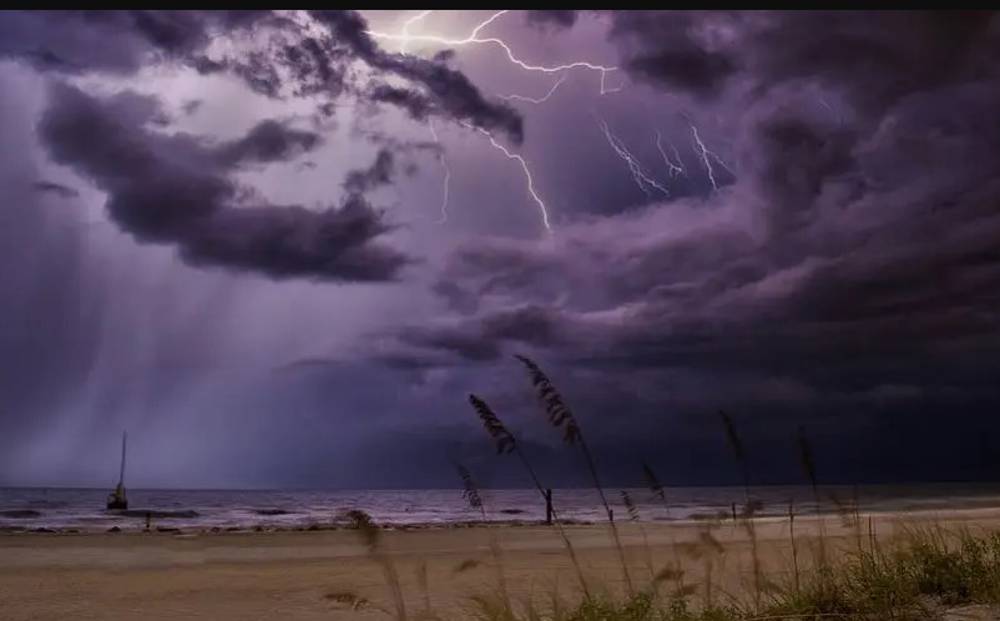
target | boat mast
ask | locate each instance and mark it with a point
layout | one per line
(121, 475)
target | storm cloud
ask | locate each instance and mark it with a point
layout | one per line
(556, 18)
(449, 91)
(278, 56)
(112, 41)
(177, 189)
(859, 234)
(825, 255)
(58, 189)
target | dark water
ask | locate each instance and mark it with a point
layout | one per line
(83, 509)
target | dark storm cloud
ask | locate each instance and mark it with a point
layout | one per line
(532, 324)
(416, 104)
(467, 344)
(310, 65)
(444, 56)
(846, 279)
(663, 48)
(179, 32)
(176, 188)
(378, 174)
(112, 41)
(481, 339)
(875, 57)
(557, 18)
(794, 160)
(268, 141)
(58, 189)
(396, 146)
(285, 60)
(291, 241)
(309, 62)
(123, 42)
(254, 68)
(914, 284)
(449, 92)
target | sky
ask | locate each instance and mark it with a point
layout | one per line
(282, 248)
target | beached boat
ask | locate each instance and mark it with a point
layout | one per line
(117, 499)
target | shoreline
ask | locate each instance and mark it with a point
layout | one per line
(35, 511)
(164, 528)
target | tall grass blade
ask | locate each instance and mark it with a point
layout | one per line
(507, 443)
(560, 416)
(370, 535)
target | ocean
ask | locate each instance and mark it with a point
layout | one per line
(30, 509)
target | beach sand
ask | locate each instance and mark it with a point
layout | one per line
(292, 575)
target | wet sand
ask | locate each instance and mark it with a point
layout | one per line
(302, 575)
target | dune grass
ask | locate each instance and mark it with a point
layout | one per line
(913, 576)
(918, 576)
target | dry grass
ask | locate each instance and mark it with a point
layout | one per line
(912, 577)
(507, 443)
(917, 578)
(750, 507)
(370, 535)
(560, 415)
(470, 491)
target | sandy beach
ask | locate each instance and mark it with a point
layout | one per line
(307, 575)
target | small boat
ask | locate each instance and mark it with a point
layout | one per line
(117, 499)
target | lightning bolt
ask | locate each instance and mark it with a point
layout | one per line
(536, 100)
(641, 179)
(524, 167)
(405, 30)
(673, 168)
(604, 89)
(404, 37)
(706, 157)
(446, 185)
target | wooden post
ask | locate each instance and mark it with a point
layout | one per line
(733, 506)
(548, 506)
